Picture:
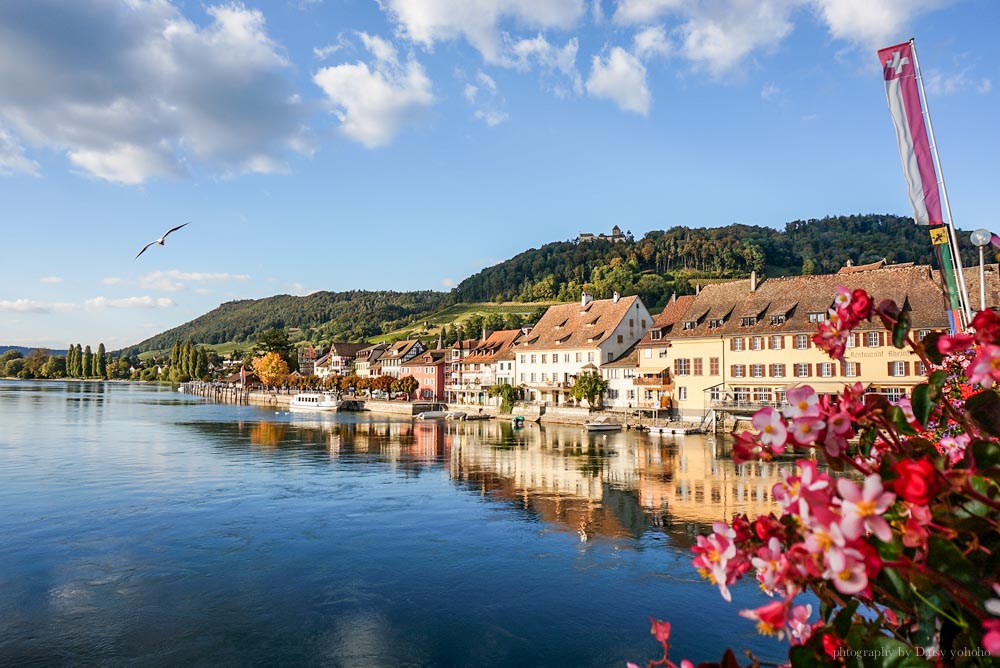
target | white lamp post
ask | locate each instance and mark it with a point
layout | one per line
(981, 238)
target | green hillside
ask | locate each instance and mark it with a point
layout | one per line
(661, 263)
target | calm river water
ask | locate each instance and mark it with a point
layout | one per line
(146, 527)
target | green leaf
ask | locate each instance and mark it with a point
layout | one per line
(842, 622)
(901, 329)
(948, 559)
(801, 656)
(898, 418)
(984, 408)
(937, 381)
(922, 403)
(900, 585)
(931, 347)
(986, 454)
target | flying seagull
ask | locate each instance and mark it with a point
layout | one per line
(161, 239)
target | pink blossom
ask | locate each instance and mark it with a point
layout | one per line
(802, 402)
(806, 430)
(862, 508)
(991, 636)
(985, 368)
(914, 530)
(773, 432)
(824, 537)
(718, 559)
(845, 568)
(950, 344)
(770, 618)
(770, 564)
(799, 628)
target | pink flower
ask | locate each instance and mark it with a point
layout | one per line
(718, 559)
(770, 564)
(799, 628)
(985, 368)
(862, 509)
(773, 432)
(845, 568)
(661, 631)
(806, 430)
(991, 636)
(955, 343)
(802, 402)
(770, 618)
(915, 533)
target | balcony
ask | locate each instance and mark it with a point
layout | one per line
(744, 404)
(548, 384)
(659, 380)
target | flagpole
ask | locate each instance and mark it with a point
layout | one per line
(956, 256)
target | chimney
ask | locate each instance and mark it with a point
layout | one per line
(616, 297)
(697, 288)
(586, 298)
(673, 298)
(849, 263)
(753, 281)
(484, 333)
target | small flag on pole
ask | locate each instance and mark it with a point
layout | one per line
(243, 374)
(903, 94)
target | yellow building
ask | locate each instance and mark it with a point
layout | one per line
(742, 345)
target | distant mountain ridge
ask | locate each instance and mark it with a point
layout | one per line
(661, 263)
(24, 350)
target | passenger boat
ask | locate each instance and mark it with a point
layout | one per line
(314, 401)
(602, 424)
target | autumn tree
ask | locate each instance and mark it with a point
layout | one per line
(382, 383)
(409, 385)
(271, 369)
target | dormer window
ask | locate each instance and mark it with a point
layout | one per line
(748, 321)
(712, 324)
(655, 334)
(690, 324)
(777, 319)
(817, 316)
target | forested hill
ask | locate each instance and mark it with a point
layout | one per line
(663, 262)
(341, 316)
(654, 267)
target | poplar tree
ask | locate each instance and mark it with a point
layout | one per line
(101, 368)
(88, 361)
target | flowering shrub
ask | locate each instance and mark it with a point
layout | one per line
(903, 555)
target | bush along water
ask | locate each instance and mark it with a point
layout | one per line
(902, 557)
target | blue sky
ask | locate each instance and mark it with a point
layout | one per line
(406, 144)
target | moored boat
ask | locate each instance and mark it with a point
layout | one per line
(602, 424)
(431, 415)
(313, 402)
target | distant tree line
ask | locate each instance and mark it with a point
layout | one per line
(78, 362)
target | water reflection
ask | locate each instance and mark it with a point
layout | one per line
(612, 485)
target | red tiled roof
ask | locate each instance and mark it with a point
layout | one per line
(586, 325)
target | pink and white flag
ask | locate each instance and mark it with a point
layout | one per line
(243, 374)
(907, 115)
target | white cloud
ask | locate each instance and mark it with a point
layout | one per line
(374, 100)
(448, 283)
(488, 105)
(99, 303)
(939, 83)
(12, 158)
(523, 54)
(491, 118)
(716, 36)
(51, 279)
(174, 280)
(324, 52)
(427, 22)
(620, 78)
(872, 23)
(769, 91)
(133, 91)
(597, 11)
(644, 11)
(651, 42)
(31, 306)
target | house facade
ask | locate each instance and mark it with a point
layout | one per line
(571, 339)
(742, 345)
(339, 360)
(397, 353)
(653, 382)
(481, 368)
(428, 368)
(366, 358)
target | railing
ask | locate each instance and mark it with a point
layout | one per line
(548, 384)
(745, 404)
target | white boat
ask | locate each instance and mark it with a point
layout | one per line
(431, 415)
(455, 415)
(602, 424)
(314, 401)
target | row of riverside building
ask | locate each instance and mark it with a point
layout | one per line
(731, 348)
